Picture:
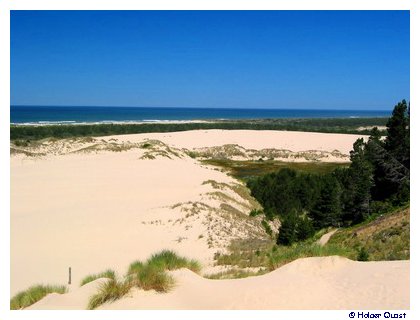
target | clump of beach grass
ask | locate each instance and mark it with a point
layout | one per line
(169, 260)
(152, 277)
(111, 290)
(33, 294)
(149, 275)
(152, 274)
(110, 274)
(135, 267)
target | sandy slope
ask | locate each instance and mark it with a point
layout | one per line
(310, 283)
(94, 211)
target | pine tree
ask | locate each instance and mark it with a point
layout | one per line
(304, 229)
(361, 182)
(397, 142)
(391, 159)
(287, 232)
(327, 209)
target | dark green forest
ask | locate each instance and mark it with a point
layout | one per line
(333, 125)
(377, 180)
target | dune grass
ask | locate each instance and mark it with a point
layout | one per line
(33, 294)
(282, 255)
(269, 256)
(152, 277)
(135, 267)
(110, 274)
(149, 275)
(235, 273)
(169, 260)
(110, 291)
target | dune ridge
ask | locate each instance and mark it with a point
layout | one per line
(309, 283)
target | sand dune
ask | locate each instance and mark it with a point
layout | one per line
(251, 139)
(93, 204)
(310, 283)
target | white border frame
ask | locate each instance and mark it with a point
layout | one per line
(7, 5)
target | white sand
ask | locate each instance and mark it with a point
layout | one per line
(99, 210)
(251, 139)
(96, 211)
(310, 283)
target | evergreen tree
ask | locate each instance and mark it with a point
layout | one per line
(391, 159)
(287, 232)
(360, 184)
(327, 209)
(397, 142)
(304, 229)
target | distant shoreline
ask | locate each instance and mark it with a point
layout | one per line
(40, 115)
(70, 130)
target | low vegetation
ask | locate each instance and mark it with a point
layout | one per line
(385, 238)
(281, 255)
(269, 256)
(245, 170)
(149, 275)
(235, 273)
(168, 260)
(110, 274)
(33, 294)
(109, 291)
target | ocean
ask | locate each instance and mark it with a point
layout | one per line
(75, 115)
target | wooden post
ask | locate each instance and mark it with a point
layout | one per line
(69, 275)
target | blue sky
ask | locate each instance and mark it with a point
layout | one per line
(267, 59)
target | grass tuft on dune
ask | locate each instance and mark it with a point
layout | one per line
(169, 260)
(135, 267)
(152, 277)
(33, 294)
(149, 275)
(110, 291)
(110, 274)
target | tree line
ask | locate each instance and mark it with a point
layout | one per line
(377, 178)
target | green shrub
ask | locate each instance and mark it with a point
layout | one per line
(363, 255)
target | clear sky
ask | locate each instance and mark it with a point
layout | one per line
(268, 59)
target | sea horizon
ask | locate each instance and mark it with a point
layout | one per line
(31, 114)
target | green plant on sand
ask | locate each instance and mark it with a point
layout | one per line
(109, 291)
(110, 274)
(33, 294)
(149, 275)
